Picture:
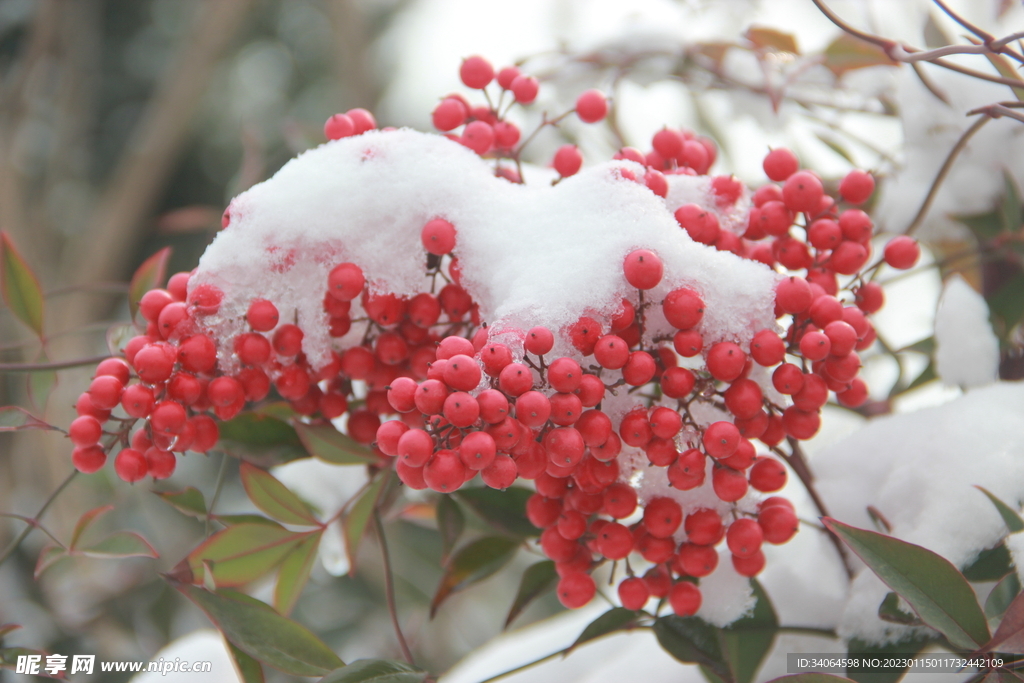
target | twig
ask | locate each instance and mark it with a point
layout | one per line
(943, 172)
(28, 529)
(33, 367)
(389, 586)
(796, 460)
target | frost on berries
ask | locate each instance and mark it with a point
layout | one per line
(633, 339)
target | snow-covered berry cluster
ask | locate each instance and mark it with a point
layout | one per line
(637, 338)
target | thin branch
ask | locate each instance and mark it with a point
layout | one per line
(984, 35)
(886, 45)
(389, 586)
(37, 517)
(927, 83)
(943, 172)
(61, 365)
(998, 45)
(929, 55)
(523, 667)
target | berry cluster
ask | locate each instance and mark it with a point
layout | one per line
(596, 413)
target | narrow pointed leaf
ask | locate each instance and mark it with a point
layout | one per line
(13, 419)
(376, 671)
(474, 563)
(355, 522)
(189, 501)
(890, 611)
(294, 573)
(747, 641)
(263, 634)
(504, 510)
(1002, 595)
(985, 226)
(858, 649)
(692, 641)
(6, 629)
(249, 670)
(450, 523)
(120, 544)
(1010, 207)
(84, 522)
(1009, 636)
(48, 556)
(991, 564)
(330, 445)
(847, 53)
(615, 619)
(242, 553)
(232, 520)
(261, 434)
(538, 579)
(1010, 517)
(149, 275)
(274, 498)
(20, 286)
(929, 583)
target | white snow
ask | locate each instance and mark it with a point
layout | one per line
(203, 645)
(966, 348)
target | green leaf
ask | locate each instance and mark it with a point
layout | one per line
(40, 385)
(504, 510)
(772, 39)
(747, 641)
(262, 433)
(847, 53)
(84, 522)
(836, 147)
(1010, 517)
(249, 670)
(120, 544)
(260, 632)
(241, 553)
(355, 522)
(1009, 636)
(615, 619)
(231, 520)
(538, 579)
(48, 556)
(931, 585)
(1002, 595)
(294, 573)
(985, 226)
(890, 611)
(474, 563)
(189, 501)
(691, 641)
(376, 671)
(149, 275)
(450, 523)
(861, 650)
(991, 565)
(330, 445)
(20, 286)
(274, 498)
(1006, 305)
(810, 678)
(925, 346)
(1009, 207)
(13, 419)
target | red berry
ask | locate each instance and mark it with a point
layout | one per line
(870, 297)
(726, 361)
(767, 474)
(767, 348)
(803, 192)
(619, 501)
(824, 234)
(288, 340)
(902, 252)
(729, 485)
(339, 126)
(856, 225)
(564, 445)
(788, 379)
(584, 334)
(591, 106)
(539, 341)
(449, 114)
(634, 593)
(793, 295)
(160, 464)
(501, 473)
(815, 345)
(744, 537)
(85, 431)
(345, 281)
(683, 308)
(462, 373)
(568, 160)
(685, 599)
(703, 527)
(105, 392)
(115, 367)
(614, 541)
(778, 522)
(361, 119)
(780, 163)
(749, 566)
(153, 302)
(662, 516)
(848, 258)
(515, 379)
(743, 398)
(800, 424)
(525, 89)
(639, 369)
(697, 560)
(643, 269)
(476, 72)
(857, 186)
(137, 400)
(702, 226)
(88, 459)
(478, 136)
(198, 354)
(576, 589)
(130, 465)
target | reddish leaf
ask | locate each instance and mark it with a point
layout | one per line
(13, 419)
(20, 286)
(847, 53)
(772, 39)
(49, 556)
(120, 544)
(84, 522)
(274, 498)
(149, 275)
(241, 553)
(1009, 637)
(294, 573)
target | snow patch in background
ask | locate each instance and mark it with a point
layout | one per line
(204, 645)
(966, 348)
